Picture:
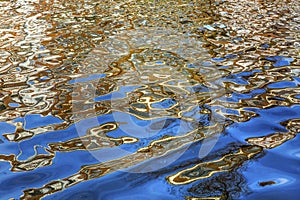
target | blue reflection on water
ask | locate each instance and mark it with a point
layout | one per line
(123, 185)
(164, 104)
(36, 120)
(132, 186)
(280, 60)
(266, 123)
(280, 165)
(86, 79)
(6, 128)
(283, 84)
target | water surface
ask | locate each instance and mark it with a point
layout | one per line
(149, 99)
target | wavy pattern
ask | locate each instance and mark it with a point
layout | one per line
(205, 170)
(148, 82)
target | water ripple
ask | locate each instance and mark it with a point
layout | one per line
(199, 97)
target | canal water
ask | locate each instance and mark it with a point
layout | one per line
(156, 100)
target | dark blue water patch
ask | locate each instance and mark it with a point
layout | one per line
(285, 193)
(240, 78)
(117, 187)
(289, 152)
(286, 185)
(167, 103)
(7, 148)
(4, 173)
(19, 119)
(14, 105)
(86, 195)
(236, 97)
(53, 136)
(86, 79)
(12, 184)
(281, 113)
(282, 84)
(279, 165)
(231, 111)
(280, 61)
(297, 79)
(68, 163)
(37, 120)
(218, 59)
(265, 46)
(266, 123)
(6, 128)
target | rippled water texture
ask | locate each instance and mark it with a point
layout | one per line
(149, 99)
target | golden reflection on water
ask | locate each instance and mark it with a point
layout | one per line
(44, 45)
(206, 170)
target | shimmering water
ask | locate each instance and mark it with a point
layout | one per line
(149, 99)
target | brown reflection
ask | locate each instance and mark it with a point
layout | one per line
(226, 185)
(32, 163)
(156, 149)
(276, 139)
(207, 169)
(95, 138)
(263, 184)
(204, 198)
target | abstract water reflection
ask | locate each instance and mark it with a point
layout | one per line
(149, 99)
